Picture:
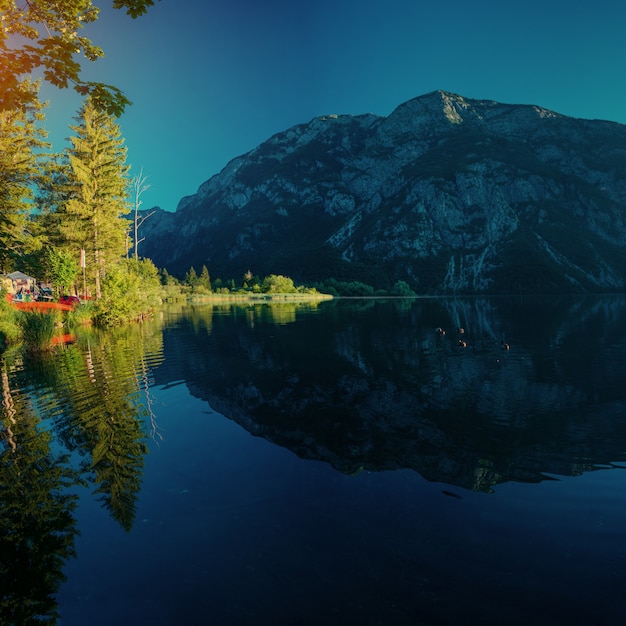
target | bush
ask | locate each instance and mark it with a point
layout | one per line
(278, 284)
(130, 291)
(402, 289)
(80, 315)
(9, 329)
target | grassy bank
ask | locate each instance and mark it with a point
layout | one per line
(258, 297)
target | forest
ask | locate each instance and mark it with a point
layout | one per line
(65, 217)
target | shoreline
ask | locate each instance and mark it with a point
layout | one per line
(257, 297)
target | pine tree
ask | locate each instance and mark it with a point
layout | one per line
(93, 217)
(21, 155)
(204, 280)
(191, 278)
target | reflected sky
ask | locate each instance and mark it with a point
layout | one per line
(232, 529)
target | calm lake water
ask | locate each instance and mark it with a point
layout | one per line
(332, 464)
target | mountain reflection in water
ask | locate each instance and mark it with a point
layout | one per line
(216, 527)
(515, 389)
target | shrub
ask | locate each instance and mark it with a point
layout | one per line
(278, 284)
(80, 315)
(130, 291)
(62, 268)
(402, 289)
(9, 328)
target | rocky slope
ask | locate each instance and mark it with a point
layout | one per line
(448, 194)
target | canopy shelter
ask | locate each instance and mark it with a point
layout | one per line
(22, 282)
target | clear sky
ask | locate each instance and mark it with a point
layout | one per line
(212, 79)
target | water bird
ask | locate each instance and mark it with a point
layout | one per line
(461, 331)
(462, 343)
(441, 331)
(505, 346)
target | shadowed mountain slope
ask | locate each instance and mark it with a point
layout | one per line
(449, 194)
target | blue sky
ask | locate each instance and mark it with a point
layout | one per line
(212, 79)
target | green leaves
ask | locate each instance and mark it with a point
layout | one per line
(21, 145)
(134, 8)
(95, 211)
(104, 97)
(53, 30)
(63, 267)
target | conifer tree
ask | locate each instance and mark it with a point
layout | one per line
(204, 280)
(191, 277)
(21, 143)
(93, 218)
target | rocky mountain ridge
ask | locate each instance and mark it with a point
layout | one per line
(448, 194)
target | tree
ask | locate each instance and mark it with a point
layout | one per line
(191, 278)
(63, 269)
(93, 218)
(22, 142)
(401, 288)
(44, 35)
(204, 279)
(278, 284)
(166, 278)
(139, 186)
(131, 291)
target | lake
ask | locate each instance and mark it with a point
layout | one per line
(430, 461)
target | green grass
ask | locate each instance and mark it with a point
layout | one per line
(38, 329)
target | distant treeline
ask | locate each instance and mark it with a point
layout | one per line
(275, 283)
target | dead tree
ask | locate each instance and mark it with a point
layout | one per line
(139, 185)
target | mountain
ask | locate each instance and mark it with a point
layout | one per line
(449, 194)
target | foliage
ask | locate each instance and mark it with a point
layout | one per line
(63, 268)
(80, 316)
(402, 289)
(348, 289)
(92, 219)
(10, 331)
(191, 277)
(21, 145)
(278, 284)
(251, 282)
(357, 289)
(44, 35)
(130, 291)
(204, 280)
(38, 329)
(167, 279)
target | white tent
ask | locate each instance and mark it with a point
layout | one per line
(21, 282)
(21, 277)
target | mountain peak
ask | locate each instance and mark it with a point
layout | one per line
(446, 193)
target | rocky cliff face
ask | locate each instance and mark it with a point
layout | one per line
(448, 194)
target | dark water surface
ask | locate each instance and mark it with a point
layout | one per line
(333, 464)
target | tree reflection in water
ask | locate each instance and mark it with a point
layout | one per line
(88, 403)
(37, 526)
(371, 384)
(362, 384)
